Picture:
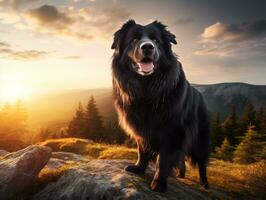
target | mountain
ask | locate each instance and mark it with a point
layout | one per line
(220, 97)
(55, 110)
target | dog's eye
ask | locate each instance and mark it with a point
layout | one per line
(154, 40)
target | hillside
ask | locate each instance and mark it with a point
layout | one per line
(55, 110)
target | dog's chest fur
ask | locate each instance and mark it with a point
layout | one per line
(144, 117)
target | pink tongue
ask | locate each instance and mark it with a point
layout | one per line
(146, 67)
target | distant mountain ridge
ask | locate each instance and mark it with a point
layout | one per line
(221, 96)
(59, 108)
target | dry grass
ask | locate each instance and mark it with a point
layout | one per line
(50, 175)
(118, 152)
(235, 179)
(75, 145)
(93, 150)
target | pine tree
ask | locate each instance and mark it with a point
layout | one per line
(94, 123)
(224, 152)
(251, 148)
(231, 127)
(248, 117)
(217, 133)
(77, 126)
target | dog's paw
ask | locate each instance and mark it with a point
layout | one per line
(134, 169)
(159, 185)
(205, 185)
(181, 176)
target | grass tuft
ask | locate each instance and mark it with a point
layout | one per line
(93, 150)
(119, 152)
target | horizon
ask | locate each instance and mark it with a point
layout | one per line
(57, 92)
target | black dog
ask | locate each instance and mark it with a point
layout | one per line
(156, 104)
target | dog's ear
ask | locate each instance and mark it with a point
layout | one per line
(163, 28)
(118, 35)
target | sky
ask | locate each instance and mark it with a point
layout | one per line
(65, 44)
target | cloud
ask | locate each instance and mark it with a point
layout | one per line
(4, 44)
(234, 41)
(15, 4)
(72, 57)
(246, 49)
(49, 15)
(79, 23)
(7, 52)
(234, 32)
(95, 19)
(48, 19)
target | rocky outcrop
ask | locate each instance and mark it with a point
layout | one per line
(106, 179)
(18, 170)
(69, 176)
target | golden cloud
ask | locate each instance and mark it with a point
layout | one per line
(234, 32)
(234, 40)
(8, 52)
(83, 24)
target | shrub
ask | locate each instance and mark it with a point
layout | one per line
(224, 152)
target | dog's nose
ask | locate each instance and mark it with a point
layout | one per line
(147, 46)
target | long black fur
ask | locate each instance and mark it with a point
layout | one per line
(163, 112)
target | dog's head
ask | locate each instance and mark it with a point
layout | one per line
(143, 46)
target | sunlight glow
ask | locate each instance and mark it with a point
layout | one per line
(13, 91)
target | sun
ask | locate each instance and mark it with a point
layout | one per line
(13, 91)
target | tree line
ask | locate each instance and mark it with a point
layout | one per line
(240, 138)
(88, 123)
(13, 126)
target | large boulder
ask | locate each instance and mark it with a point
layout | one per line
(106, 180)
(18, 170)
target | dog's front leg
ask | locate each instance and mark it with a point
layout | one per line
(166, 162)
(144, 156)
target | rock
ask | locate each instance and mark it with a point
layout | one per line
(18, 170)
(67, 156)
(3, 152)
(106, 179)
(60, 159)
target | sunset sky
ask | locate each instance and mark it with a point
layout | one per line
(65, 44)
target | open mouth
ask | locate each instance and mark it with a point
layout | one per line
(146, 66)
